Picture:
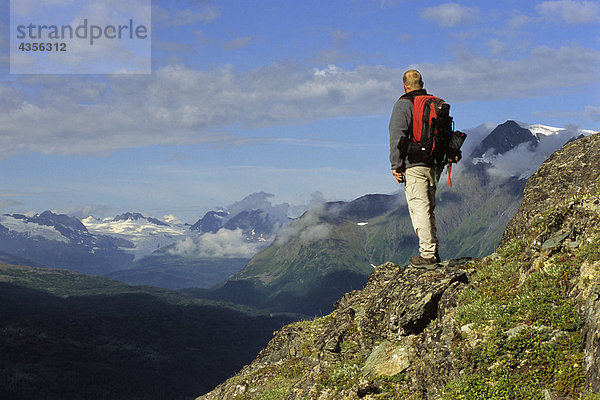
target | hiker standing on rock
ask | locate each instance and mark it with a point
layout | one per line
(411, 167)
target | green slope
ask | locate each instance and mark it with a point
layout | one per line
(11, 259)
(304, 274)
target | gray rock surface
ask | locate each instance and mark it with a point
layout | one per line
(388, 324)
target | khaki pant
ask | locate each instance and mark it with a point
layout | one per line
(420, 196)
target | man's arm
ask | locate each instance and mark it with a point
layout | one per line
(399, 134)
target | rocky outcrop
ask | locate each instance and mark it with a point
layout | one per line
(380, 331)
(570, 173)
(591, 328)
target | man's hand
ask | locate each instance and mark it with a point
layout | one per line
(398, 175)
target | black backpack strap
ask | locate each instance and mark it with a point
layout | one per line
(411, 95)
(408, 96)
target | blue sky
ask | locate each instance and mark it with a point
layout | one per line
(286, 97)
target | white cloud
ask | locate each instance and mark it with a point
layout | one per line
(316, 199)
(496, 46)
(314, 233)
(24, 8)
(309, 227)
(69, 114)
(593, 113)
(224, 243)
(238, 43)
(188, 16)
(449, 14)
(518, 21)
(259, 201)
(172, 219)
(85, 211)
(7, 203)
(545, 70)
(53, 114)
(475, 136)
(569, 11)
(94, 54)
(184, 247)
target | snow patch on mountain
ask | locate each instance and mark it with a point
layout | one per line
(144, 234)
(31, 229)
(545, 130)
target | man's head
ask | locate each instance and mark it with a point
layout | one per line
(412, 80)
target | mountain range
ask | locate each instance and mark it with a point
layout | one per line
(142, 250)
(54, 240)
(165, 252)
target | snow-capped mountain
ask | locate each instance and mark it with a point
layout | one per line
(504, 138)
(211, 222)
(146, 233)
(258, 224)
(149, 234)
(102, 246)
(61, 241)
(21, 224)
(518, 149)
(129, 216)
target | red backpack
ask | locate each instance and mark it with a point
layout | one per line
(434, 140)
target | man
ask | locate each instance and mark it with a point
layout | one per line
(412, 166)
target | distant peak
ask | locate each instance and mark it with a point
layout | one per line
(129, 216)
(59, 221)
(503, 138)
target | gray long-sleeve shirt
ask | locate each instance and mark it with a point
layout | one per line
(400, 131)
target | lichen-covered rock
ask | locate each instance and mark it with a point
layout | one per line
(591, 334)
(381, 331)
(406, 304)
(589, 292)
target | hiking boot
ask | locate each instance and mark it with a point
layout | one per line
(422, 262)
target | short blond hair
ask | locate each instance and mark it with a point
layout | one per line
(412, 79)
